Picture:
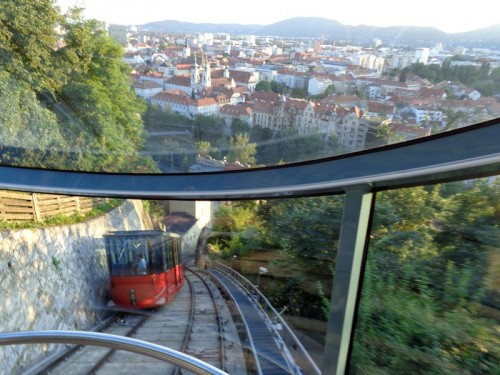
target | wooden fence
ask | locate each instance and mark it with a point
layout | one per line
(18, 206)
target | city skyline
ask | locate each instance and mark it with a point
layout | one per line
(385, 13)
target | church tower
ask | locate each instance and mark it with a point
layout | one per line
(206, 79)
(195, 75)
(187, 50)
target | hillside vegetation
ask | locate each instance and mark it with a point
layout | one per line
(65, 97)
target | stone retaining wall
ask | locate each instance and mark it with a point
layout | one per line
(56, 278)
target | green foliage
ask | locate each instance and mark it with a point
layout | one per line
(279, 88)
(239, 127)
(328, 92)
(56, 263)
(100, 99)
(287, 146)
(385, 134)
(263, 86)
(210, 129)
(306, 231)
(70, 102)
(239, 226)
(203, 148)
(235, 217)
(299, 93)
(174, 153)
(156, 118)
(481, 78)
(428, 274)
(425, 282)
(30, 133)
(27, 44)
(240, 149)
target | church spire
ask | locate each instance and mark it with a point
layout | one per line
(187, 50)
(206, 79)
(195, 74)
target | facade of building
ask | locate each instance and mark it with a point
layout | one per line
(318, 85)
(307, 117)
(147, 89)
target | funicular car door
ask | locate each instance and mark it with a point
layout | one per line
(179, 278)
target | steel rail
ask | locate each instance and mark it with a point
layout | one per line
(469, 152)
(105, 358)
(219, 317)
(189, 326)
(114, 342)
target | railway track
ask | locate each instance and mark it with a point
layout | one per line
(204, 337)
(196, 322)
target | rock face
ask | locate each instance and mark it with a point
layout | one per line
(56, 278)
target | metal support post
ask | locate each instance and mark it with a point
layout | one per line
(353, 240)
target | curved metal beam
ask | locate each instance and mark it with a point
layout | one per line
(114, 342)
(470, 152)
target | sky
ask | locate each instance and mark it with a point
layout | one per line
(447, 15)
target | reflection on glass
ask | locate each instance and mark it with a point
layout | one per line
(86, 95)
(429, 301)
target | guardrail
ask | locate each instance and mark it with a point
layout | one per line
(294, 351)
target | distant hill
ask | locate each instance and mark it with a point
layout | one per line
(171, 26)
(488, 36)
(315, 27)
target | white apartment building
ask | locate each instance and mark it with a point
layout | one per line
(178, 101)
(147, 89)
(401, 61)
(422, 55)
(318, 85)
(291, 78)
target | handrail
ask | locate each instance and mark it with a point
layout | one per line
(114, 342)
(250, 340)
(276, 317)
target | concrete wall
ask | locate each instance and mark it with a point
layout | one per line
(203, 211)
(56, 278)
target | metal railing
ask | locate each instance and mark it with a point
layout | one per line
(114, 342)
(294, 352)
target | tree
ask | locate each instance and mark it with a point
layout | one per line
(203, 148)
(28, 43)
(211, 129)
(30, 133)
(239, 127)
(425, 273)
(70, 91)
(263, 86)
(279, 88)
(100, 99)
(175, 155)
(299, 93)
(306, 231)
(156, 118)
(240, 149)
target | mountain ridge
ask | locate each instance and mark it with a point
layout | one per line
(318, 27)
